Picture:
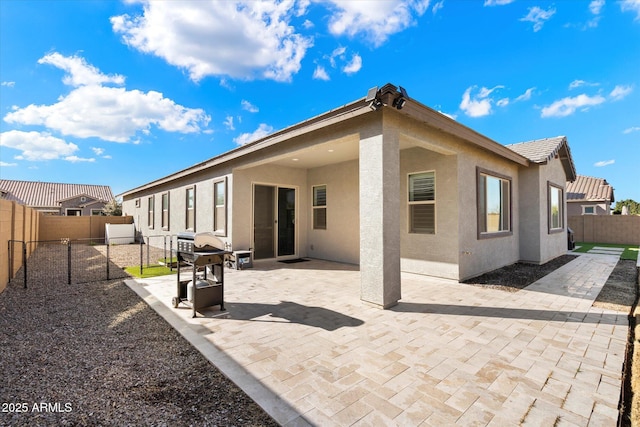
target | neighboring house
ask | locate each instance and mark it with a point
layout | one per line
(57, 199)
(589, 196)
(384, 182)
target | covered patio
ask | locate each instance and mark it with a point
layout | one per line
(298, 339)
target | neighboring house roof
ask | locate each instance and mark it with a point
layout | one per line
(590, 189)
(50, 194)
(541, 151)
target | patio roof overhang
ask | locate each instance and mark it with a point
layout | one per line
(344, 147)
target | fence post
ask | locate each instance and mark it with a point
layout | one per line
(171, 254)
(141, 241)
(107, 261)
(69, 262)
(24, 262)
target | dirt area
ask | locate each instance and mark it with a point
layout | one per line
(518, 276)
(95, 354)
(617, 294)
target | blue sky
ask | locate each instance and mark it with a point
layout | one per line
(122, 93)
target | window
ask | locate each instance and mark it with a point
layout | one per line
(588, 210)
(97, 212)
(220, 208)
(150, 203)
(494, 204)
(191, 209)
(320, 207)
(422, 203)
(165, 211)
(556, 208)
(137, 203)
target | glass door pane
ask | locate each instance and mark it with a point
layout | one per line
(263, 222)
(286, 221)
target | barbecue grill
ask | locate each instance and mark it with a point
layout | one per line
(205, 253)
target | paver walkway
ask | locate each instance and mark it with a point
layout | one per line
(297, 339)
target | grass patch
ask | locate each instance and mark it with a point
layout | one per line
(630, 251)
(150, 271)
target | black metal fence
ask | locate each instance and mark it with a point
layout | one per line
(83, 260)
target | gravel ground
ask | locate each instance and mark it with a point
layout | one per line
(95, 354)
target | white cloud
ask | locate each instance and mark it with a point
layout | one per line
(241, 40)
(375, 20)
(538, 17)
(567, 106)
(579, 83)
(320, 73)
(37, 146)
(620, 92)
(108, 113)
(6, 165)
(8, 84)
(631, 6)
(451, 116)
(246, 105)
(97, 151)
(497, 2)
(76, 159)
(437, 7)
(526, 95)
(228, 123)
(503, 102)
(245, 138)
(604, 163)
(595, 7)
(111, 114)
(480, 104)
(337, 53)
(354, 65)
(631, 129)
(79, 73)
(307, 24)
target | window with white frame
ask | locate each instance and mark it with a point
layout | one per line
(588, 210)
(494, 204)
(165, 211)
(422, 203)
(220, 208)
(320, 207)
(556, 208)
(191, 209)
(150, 216)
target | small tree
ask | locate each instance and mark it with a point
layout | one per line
(113, 208)
(633, 206)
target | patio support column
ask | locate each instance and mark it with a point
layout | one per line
(379, 217)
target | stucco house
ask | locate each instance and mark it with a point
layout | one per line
(384, 182)
(52, 198)
(589, 196)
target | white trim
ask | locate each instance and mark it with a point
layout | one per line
(595, 209)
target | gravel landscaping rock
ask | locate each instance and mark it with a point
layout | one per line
(95, 354)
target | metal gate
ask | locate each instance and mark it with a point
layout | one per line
(64, 261)
(80, 261)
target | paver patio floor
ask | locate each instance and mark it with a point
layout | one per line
(299, 341)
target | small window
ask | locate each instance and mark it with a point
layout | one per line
(83, 199)
(191, 209)
(422, 203)
(556, 208)
(588, 210)
(494, 204)
(137, 203)
(220, 208)
(165, 211)
(320, 207)
(150, 203)
(97, 212)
